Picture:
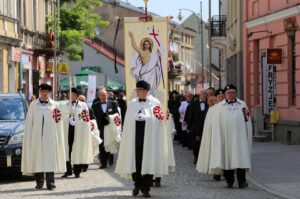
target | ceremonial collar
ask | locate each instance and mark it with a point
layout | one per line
(238, 101)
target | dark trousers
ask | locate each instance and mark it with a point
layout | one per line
(196, 149)
(142, 182)
(105, 156)
(77, 168)
(240, 174)
(39, 178)
(70, 145)
(184, 136)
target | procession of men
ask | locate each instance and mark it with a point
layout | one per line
(66, 136)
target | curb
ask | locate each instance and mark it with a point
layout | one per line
(270, 190)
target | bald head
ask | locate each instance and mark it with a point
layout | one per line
(102, 94)
(82, 98)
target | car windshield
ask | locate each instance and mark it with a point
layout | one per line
(11, 109)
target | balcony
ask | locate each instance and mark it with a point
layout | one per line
(218, 26)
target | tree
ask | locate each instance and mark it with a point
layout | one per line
(76, 23)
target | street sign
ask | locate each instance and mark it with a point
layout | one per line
(63, 68)
(274, 56)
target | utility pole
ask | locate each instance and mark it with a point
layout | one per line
(55, 64)
(202, 61)
(209, 41)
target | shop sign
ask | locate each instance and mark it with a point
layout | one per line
(63, 68)
(274, 56)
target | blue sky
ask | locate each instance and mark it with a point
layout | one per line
(171, 7)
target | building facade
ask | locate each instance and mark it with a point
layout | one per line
(273, 24)
(10, 42)
(234, 44)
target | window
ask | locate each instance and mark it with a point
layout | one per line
(35, 17)
(5, 7)
(293, 53)
(24, 13)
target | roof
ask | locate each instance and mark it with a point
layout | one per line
(11, 95)
(108, 52)
(86, 72)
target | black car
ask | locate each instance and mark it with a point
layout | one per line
(13, 109)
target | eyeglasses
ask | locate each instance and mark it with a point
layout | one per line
(230, 93)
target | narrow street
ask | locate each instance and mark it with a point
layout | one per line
(96, 183)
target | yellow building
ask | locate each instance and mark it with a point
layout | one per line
(9, 44)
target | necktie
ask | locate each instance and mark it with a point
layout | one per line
(103, 102)
(142, 100)
(43, 102)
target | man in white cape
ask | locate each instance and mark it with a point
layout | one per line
(231, 138)
(78, 136)
(143, 149)
(43, 144)
(205, 147)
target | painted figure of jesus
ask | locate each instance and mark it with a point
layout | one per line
(145, 64)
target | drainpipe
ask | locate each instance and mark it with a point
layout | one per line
(20, 64)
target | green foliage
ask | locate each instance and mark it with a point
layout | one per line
(76, 23)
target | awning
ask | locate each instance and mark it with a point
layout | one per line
(112, 85)
(81, 80)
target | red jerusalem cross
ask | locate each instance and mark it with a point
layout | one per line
(91, 92)
(154, 35)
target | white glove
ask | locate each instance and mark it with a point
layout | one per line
(140, 117)
(71, 121)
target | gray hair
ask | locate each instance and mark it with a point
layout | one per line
(203, 89)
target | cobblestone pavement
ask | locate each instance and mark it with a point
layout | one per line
(185, 183)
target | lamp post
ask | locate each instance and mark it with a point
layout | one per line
(200, 30)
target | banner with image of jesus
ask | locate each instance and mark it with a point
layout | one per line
(146, 56)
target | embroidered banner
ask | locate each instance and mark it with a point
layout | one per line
(146, 56)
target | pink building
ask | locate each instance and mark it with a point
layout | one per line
(273, 24)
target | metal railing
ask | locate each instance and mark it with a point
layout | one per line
(218, 26)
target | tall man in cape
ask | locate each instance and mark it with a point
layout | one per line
(198, 110)
(78, 136)
(103, 107)
(231, 138)
(143, 149)
(43, 145)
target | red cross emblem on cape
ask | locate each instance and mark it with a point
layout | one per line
(56, 114)
(85, 116)
(117, 121)
(246, 114)
(92, 126)
(158, 113)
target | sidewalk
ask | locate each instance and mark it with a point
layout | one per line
(276, 168)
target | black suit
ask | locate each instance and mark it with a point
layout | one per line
(112, 108)
(196, 123)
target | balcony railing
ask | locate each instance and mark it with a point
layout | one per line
(218, 26)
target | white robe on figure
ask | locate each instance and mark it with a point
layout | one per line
(151, 72)
(96, 137)
(82, 149)
(155, 151)
(170, 128)
(231, 137)
(205, 147)
(43, 146)
(112, 133)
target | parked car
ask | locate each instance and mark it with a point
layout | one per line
(13, 109)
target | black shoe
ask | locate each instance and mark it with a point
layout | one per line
(51, 187)
(103, 167)
(157, 183)
(111, 161)
(66, 174)
(77, 175)
(135, 191)
(39, 186)
(84, 169)
(229, 185)
(243, 185)
(217, 177)
(195, 162)
(146, 194)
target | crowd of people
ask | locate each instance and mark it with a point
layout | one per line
(65, 136)
(216, 126)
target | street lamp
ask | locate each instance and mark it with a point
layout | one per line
(200, 30)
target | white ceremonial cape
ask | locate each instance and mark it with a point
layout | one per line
(205, 147)
(182, 111)
(43, 147)
(231, 137)
(96, 137)
(112, 133)
(170, 128)
(155, 157)
(82, 149)
(151, 72)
